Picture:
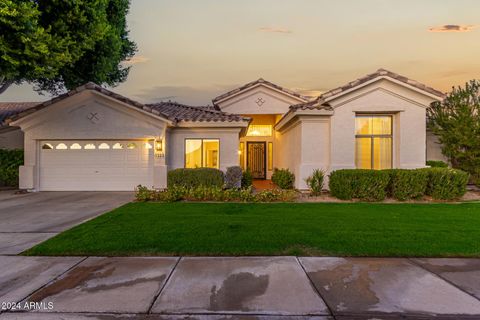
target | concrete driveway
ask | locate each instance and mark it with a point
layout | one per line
(29, 219)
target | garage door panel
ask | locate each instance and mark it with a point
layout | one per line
(101, 169)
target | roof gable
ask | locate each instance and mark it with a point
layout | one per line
(254, 84)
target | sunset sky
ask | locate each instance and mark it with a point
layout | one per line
(192, 50)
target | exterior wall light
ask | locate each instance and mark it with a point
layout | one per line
(159, 148)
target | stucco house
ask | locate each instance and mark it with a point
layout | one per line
(94, 139)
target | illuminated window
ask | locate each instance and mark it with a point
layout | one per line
(148, 145)
(89, 146)
(270, 156)
(241, 155)
(202, 153)
(103, 146)
(131, 145)
(259, 130)
(47, 146)
(117, 146)
(373, 142)
(75, 146)
(61, 146)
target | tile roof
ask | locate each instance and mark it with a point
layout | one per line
(382, 73)
(9, 109)
(169, 110)
(180, 112)
(254, 83)
(319, 102)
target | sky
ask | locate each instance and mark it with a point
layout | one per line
(190, 51)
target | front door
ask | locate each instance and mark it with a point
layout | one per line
(256, 159)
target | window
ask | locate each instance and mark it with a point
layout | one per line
(103, 146)
(241, 153)
(148, 145)
(61, 146)
(373, 142)
(270, 156)
(89, 146)
(118, 146)
(259, 130)
(202, 153)
(75, 146)
(131, 145)
(47, 146)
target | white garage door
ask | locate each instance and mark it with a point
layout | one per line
(93, 165)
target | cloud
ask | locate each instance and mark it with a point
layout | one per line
(136, 60)
(196, 96)
(274, 30)
(453, 28)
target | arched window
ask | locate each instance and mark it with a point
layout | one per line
(47, 146)
(89, 146)
(117, 146)
(75, 146)
(131, 145)
(103, 146)
(61, 146)
(148, 145)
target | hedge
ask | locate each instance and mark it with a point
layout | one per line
(369, 185)
(401, 184)
(437, 164)
(446, 184)
(407, 184)
(195, 177)
(10, 160)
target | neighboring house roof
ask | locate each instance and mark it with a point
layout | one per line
(257, 82)
(9, 109)
(169, 110)
(180, 112)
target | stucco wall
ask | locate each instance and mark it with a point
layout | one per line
(11, 139)
(305, 146)
(229, 139)
(409, 129)
(434, 148)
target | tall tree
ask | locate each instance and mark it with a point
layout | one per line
(60, 44)
(456, 122)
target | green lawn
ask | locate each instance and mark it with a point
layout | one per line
(339, 229)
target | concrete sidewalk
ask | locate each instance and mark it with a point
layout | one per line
(239, 288)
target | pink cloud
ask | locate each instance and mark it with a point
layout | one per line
(274, 30)
(453, 28)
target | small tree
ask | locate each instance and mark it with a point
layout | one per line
(456, 122)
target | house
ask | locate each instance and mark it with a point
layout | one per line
(94, 139)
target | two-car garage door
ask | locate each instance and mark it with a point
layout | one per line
(94, 165)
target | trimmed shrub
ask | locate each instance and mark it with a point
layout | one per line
(437, 164)
(446, 184)
(315, 182)
(247, 179)
(10, 160)
(407, 184)
(369, 185)
(195, 177)
(283, 178)
(233, 177)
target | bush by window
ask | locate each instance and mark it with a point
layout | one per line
(368, 185)
(195, 177)
(407, 184)
(446, 184)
